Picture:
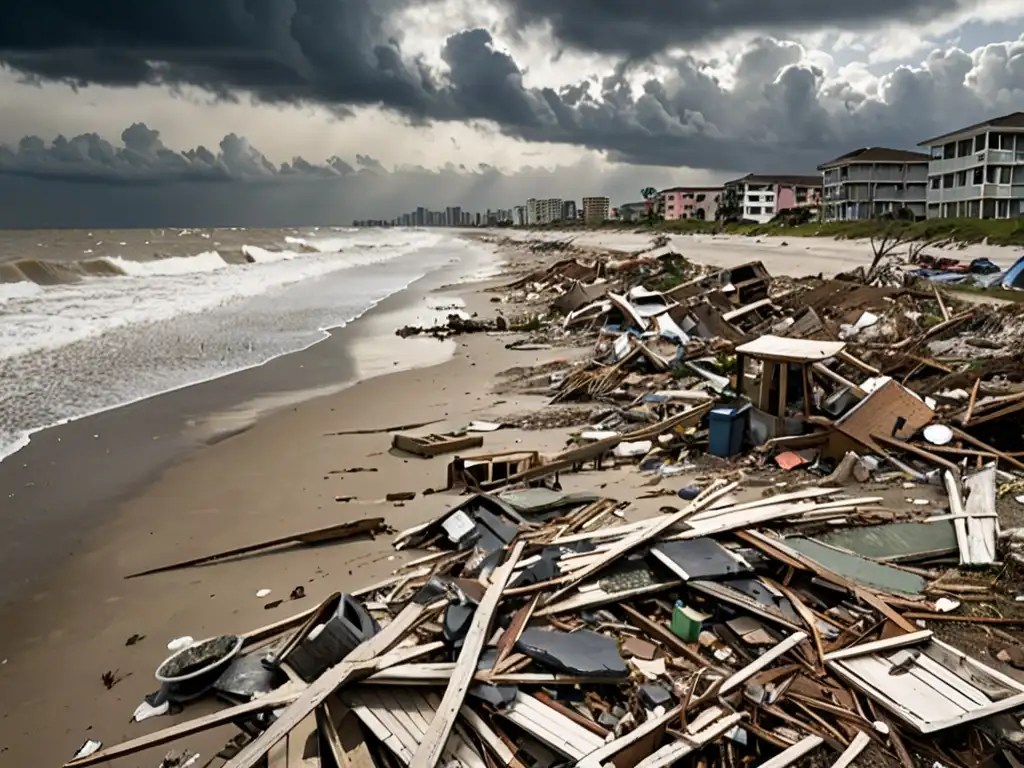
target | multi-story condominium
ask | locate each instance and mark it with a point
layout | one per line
(872, 182)
(519, 216)
(978, 171)
(761, 196)
(699, 203)
(453, 216)
(595, 209)
(568, 210)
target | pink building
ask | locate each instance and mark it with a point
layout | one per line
(699, 203)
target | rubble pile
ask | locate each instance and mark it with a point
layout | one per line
(830, 585)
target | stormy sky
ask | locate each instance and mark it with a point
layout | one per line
(319, 111)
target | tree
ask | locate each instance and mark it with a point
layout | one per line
(730, 207)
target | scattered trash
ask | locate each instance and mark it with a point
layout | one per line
(88, 748)
(782, 611)
(110, 679)
(179, 643)
(136, 638)
(262, 593)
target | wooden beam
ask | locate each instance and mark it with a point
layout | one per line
(959, 433)
(436, 736)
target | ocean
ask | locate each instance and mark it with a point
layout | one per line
(94, 320)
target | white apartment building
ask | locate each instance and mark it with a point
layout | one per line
(762, 196)
(595, 209)
(978, 172)
(543, 211)
(519, 216)
(872, 182)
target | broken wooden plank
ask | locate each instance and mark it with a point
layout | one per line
(278, 698)
(792, 754)
(436, 736)
(852, 752)
(899, 641)
(360, 662)
(632, 542)
(691, 742)
(337, 532)
(761, 662)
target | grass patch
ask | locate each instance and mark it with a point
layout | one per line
(966, 231)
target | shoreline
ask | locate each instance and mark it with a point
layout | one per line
(64, 473)
(281, 475)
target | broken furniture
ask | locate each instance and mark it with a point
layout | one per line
(785, 379)
(432, 445)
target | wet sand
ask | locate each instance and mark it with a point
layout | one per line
(143, 492)
(67, 477)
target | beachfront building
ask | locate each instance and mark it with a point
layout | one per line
(677, 203)
(760, 196)
(595, 209)
(874, 181)
(519, 216)
(978, 172)
(543, 211)
(568, 210)
(631, 211)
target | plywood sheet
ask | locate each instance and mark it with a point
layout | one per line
(881, 411)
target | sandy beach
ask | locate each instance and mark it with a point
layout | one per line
(127, 490)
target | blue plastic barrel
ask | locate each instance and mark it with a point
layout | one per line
(726, 426)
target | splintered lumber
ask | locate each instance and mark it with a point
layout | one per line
(647, 534)
(691, 742)
(603, 754)
(761, 662)
(436, 736)
(319, 536)
(278, 698)
(910, 638)
(852, 752)
(362, 661)
(794, 753)
(961, 435)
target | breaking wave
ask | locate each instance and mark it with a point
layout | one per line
(44, 272)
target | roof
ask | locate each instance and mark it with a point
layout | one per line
(876, 155)
(784, 180)
(1012, 120)
(707, 188)
(795, 350)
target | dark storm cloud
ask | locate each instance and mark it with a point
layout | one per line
(778, 115)
(641, 28)
(64, 184)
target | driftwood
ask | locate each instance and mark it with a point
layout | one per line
(319, 536)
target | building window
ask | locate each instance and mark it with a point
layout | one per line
(998, 174)
(754, 198)
(935, 181)
(937, 153)
(947, 181)
(701, 198)
(979, 175)
(769, 209)
(1001, 141)
(963, 148)
(1002, 209)
(961, 179)
(949, 151)
(980, 143)
(754, 210)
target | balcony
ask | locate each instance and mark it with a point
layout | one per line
(985, 156)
